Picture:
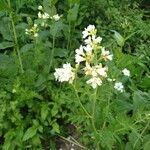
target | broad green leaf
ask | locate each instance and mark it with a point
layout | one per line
(5, 45)
(56, 127)
(29, 133)
(145, 83)
(56, 27)
(44, 111)
(27, 47)
(73, 13)
(119, 38)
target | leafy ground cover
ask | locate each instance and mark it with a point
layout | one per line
(74, 74)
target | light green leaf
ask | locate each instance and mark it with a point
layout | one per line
(119, 38)
(29, 133)
(56, 127)
(44, 111)
(73, 13)
(5, 45)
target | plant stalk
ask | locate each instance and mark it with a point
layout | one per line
(83, 108)
(15, 39)
(51, 55)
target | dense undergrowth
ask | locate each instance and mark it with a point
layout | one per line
(37, 111)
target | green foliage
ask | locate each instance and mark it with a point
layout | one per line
(35, 109)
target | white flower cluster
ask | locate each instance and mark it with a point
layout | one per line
(91, 58)
(65, 74)
(126, 72)
(87, 53)
(118, 85)
(44, 16)
(33, 31)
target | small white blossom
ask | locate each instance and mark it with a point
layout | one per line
(97, 39)
(80, 51)
(40, 15)
(94, 82)
(79, 57)
(35, 25)
(102, 71)
(126, 72)
(88, 69)
(88, 48)
(111, 80)
(36, 35)
(90, 30)
(93, 41)
(56, 17)
(106, 55)
(65, 74)
(45, 16)
(40, 7)
(119, 87)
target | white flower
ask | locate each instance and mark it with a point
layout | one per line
(36, 35)
(80, 51)
(126, 72)
(106, 54)
(35, 25)
(39, 15)
(55, 17)
(79, 57)
(45, 16)
(40, 7)
(88, 41)
(93, 41)
(26, 31)
(119, 86)
(94, 82)
(88, 69)
(102, 71)
(65, 74)
(111, 80)
(97, 40)
(88, 48)
(90, 30)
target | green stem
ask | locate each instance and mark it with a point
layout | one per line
(51, 54)
(69, 37)
(15, 39)
(93, 111)
(83, 108)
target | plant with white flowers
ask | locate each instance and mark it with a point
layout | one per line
(33, 31)
(44, 16)
(92, 65)
(91, 57)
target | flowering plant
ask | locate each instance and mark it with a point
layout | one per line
(93, 67)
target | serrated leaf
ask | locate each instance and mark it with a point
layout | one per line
(29, 133)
